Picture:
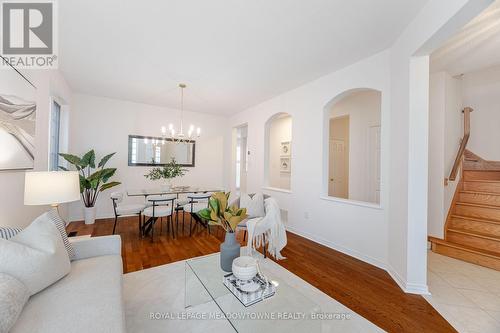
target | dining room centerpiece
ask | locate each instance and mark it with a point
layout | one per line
(93, 180)
(166, 173)
(228, 217)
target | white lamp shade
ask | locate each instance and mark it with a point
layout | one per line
(51, 187)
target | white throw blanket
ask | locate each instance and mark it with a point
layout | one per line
(271, 226)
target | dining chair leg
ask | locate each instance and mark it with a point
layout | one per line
(191, 226)
(177, 224)
(114, 226)
(173, 230)
(140, 223)
(244, 235)
(153, 222)
(183, 224)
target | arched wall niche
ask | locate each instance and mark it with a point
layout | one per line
(278, 151)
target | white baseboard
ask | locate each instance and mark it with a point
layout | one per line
(410, 288)
(350, 252)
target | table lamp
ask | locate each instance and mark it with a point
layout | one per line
(51, 187)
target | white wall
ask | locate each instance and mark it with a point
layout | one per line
(104, 125)
(358, 230)
(481, 91)
(280, 130)
(395, 236)
(363, 109)
(445, 132)
(49, 83)
(436, 22)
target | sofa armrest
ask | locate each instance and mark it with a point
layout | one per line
(96, 246)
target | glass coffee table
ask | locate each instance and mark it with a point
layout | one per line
(286, 311)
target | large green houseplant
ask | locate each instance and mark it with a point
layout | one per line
(228, 217)
(93, 179)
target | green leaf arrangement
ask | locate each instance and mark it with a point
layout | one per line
(219, 213)
(168, 171)
(92, 180)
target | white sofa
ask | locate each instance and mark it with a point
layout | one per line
(88, 299)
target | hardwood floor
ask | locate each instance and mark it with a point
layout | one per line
(365, 289)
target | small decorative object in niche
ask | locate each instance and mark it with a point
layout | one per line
(285, 148)
(285, 164)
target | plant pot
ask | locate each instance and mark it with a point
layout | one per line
(229, 250)
(89, 214)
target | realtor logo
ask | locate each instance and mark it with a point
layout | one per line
(28, 32)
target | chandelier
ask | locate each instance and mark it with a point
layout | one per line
(179, 136)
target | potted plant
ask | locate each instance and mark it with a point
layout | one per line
(92, 180)
(228, 217)
(166, 173)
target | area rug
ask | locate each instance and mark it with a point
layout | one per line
(154, 302)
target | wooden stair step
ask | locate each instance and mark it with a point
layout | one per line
(481, 175)
(479, 240)
(466, 253)
(477, 197)
(490, 186)
(469, 223)
(480, 211)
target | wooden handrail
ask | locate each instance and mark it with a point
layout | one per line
(463, 145)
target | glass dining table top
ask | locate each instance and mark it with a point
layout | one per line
(173, 190)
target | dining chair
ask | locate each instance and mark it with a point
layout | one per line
(197, 202)
(121, 209)
(179, 208)
(161, 206)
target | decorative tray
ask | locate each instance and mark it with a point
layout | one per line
(249, 298)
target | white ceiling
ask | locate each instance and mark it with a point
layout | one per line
(232, 54)
(475, 47)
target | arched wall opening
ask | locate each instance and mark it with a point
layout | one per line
(278, 152)
(352, 146)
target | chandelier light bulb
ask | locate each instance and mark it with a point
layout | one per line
(170, 127)
(198, 131)
(163, 130)
(146, 140)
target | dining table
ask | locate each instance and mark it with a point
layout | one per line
(176, 190)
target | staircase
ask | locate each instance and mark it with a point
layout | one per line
(472, 229)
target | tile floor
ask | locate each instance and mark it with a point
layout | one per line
(466, 295)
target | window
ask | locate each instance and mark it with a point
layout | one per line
(238, 164)
(157, 154)
(55, 130)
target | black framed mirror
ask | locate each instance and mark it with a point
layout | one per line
(158, 151)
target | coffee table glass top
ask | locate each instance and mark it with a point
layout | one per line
(287, 311)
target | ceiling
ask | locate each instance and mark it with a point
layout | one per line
(475, 47)
(231, 54)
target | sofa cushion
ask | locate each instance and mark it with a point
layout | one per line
(53, 216)
(254, 205)
(9, 232)
(36, 256)
(88, 299)
(13, 297)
